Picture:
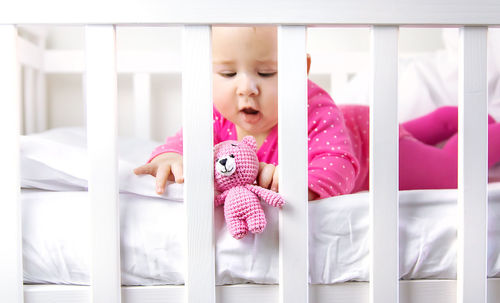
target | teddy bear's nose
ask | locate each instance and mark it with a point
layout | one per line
(223, 161)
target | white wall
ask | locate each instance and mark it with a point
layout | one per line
(65, 91)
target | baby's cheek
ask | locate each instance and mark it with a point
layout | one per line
(222, 95)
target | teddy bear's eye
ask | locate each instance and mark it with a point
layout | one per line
(231, 155)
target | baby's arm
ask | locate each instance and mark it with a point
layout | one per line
(337, 179)
(166, 160)
(172, 145)
(272, 198)
(333, 166)
(165, 163)
(164, 167)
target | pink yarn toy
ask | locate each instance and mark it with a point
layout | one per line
(236, 168)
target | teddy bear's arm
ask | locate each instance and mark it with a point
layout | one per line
(270, 197)
(219, 199)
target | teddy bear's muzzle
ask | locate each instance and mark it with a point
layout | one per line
(226, 166)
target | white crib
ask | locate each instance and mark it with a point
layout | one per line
(384, 17)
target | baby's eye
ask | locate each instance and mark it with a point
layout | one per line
(267, 74)
(227, 74)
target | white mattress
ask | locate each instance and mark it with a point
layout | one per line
(56, 226)
(56, 236)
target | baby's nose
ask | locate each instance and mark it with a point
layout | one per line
(247, 86)
(223, 161)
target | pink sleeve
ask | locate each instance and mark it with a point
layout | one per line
(172, 145)
(333, 166)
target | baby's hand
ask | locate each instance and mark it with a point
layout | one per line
(268, 176)
(164, 167)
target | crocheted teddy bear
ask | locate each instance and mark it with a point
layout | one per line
(236, 168)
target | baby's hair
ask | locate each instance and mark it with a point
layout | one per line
(253, 27)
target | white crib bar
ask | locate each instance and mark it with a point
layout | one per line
(142, 105)
(29, 100)
(472, 167)
(11, 269)
(198, 163)
(101, 100)
(292, 154)
(384, 270)
(28, 53)
(41, 98)
(34, 100)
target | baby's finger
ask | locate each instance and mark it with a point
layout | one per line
(266, 176)
(261, 166)
(275, 183)
(161, 177)
(145, 169)
(178, 172)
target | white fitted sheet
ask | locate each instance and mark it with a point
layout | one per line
(56, 229)
(56, 225)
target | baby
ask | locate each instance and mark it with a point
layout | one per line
(245, 103)
(245, 97)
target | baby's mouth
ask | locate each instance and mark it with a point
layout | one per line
(250, 115)
(250, 111)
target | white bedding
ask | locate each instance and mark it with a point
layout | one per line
(430, 80)
(56, 236)
(56, 226)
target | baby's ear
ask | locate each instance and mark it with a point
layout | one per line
(250, 141)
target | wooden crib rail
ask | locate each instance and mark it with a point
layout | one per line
(292, 154)
(198, 164)
(11, 277)
(197, 115)
(31, 57)
(384, 199)
(472, 166)
(102, 121)
(312, 12)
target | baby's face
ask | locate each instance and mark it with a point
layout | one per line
(245, 82)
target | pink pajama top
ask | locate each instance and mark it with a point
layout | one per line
(333, 164)
(357, 119)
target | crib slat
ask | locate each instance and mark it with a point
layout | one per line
(472, 166)
(292, 149)
(11, 269)
(40, 101)
(101, 100)
(41, 98)
(142, 103)
(198, 163)
(384, 274)
(29, 54)
(29, 101)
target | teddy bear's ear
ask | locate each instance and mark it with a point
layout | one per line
(250, 141)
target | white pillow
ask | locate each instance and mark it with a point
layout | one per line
(57, 160)
(430, 80)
